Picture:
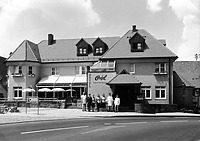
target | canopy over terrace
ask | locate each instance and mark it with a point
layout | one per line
(65, 82)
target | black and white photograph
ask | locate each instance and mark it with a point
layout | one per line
(99, 70)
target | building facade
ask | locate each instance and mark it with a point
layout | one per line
(144, 70)
(136, 67)
(53, 68)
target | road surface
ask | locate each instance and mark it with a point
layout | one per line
(105, 129)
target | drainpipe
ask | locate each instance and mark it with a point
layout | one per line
(170, 96)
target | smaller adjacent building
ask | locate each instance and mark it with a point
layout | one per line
(187, 84)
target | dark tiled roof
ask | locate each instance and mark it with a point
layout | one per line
(66, 49)
(189, 72)
(62, 50)
(122, 48)
(27, 51)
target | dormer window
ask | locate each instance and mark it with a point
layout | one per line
(83, 48)
(137, 43)
(99, 47)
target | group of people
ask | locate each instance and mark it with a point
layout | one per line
(100, 103)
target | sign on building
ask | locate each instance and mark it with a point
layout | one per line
(97, 83)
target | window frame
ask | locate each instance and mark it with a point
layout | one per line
(18, 91)
(132, 68)
(160, 69)
(145, 89)
(135, 46)
(30, 70)
(160, 89)
(82, 51)
(80, 70)
(54, 71)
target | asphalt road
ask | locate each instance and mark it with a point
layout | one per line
(105, 129)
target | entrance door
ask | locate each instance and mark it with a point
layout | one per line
(127, 94)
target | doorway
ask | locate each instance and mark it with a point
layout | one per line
(127, 94)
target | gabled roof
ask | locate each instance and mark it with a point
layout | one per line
(124, 78)
(97, 41)
(189, 72)
(66, 50)
(27, 51)
(122, 48)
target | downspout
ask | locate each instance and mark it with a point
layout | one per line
(170, 96)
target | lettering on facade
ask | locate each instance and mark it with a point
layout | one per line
(100, 77)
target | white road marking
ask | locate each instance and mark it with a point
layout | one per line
(56, 129)
(127, 123)
(107, 124)
(102, 129)
(168, 121)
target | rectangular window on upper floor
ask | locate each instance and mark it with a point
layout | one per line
(99, 50)
(82, 51)
(30, 70)
(132, 68)
(17, 71)
(54, 71)
(135, 47)
(160, 68)
(80, 70)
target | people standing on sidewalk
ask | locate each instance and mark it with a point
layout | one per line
(109, 101)
(93, 103)
(83, 101)
(103, 102)
(89, 102)
(98, 101)
(117, 103)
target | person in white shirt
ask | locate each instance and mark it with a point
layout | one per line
(117, 103)
(109, 101)
(84, 101)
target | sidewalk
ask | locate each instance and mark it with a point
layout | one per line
(58, 114)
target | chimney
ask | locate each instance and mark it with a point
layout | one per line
(50, 39)
(134, 28)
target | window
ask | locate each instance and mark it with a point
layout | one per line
(160, 93)
(147, 92)
(99, 50)
(82, 51)
(103, 66)
(132, 68)
(80, 70)
(17, 92)
(160, 68)
(83, 70)
(54, 71)
(30, 70)
(137, 46)
(18, 70)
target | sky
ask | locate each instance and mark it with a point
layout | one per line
(176, 21)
